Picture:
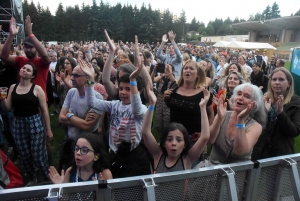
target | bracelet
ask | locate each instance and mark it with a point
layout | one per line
(240, 125)
(133, 83)
(70, 115)
(173, 44)
(30, 35)
(89, 82)
(151, 108)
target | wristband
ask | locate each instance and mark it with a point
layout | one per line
(70, 115)
(240, 125)
(173, 44)
(133, 83)
(151, 108)
(89, 82)
(30, 35)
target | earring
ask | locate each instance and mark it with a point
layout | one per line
(96, 157)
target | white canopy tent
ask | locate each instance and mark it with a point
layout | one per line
(221, 43)
(250, 45)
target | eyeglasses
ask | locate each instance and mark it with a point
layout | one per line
(77, 75)
(83, 150)
(66, 63)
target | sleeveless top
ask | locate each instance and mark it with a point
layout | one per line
(25, 105)
(162, 168)
(186, 110)
(73, 177)
(221, 152)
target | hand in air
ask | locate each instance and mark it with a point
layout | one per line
(222, 107)
(204, 100)
(244, 114)
(13, 29)
(111, 44)
(87, 69)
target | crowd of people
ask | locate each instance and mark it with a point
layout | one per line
(104, 95)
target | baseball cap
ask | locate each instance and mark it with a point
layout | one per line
(27, 41)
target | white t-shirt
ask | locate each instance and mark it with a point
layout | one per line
(77, 105)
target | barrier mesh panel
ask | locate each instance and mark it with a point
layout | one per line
(202, 188)
(240, 182)
(131, 193)
(88, 196)
(266, 183)
(286, 188)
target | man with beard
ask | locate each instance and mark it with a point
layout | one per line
(32, 47)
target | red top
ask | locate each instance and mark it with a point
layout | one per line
(43, 69)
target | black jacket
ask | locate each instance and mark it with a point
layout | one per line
(286, 128)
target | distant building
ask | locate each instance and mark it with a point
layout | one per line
(282, 30)
(229, 38)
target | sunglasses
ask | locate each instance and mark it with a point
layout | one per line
(83, 150)
(77, 75)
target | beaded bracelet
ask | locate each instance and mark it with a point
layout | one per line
(30, 35)
(240, 125)
(151, 108)
(133, 83)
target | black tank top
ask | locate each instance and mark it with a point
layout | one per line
(25, 105)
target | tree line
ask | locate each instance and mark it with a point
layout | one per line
(85, 23)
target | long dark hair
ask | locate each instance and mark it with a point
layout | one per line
(99, 148)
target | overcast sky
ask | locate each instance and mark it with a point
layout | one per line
(203, 10)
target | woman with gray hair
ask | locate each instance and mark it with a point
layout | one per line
(234, 133)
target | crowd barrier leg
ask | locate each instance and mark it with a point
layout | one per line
(291, 166)
(149, 186)
(228, 179)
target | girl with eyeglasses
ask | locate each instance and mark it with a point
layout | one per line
(91, 162)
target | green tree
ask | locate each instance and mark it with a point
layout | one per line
(297, 13)
(275, 12)
(194, 25)
(210, 31)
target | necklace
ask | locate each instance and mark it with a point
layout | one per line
(84, 195)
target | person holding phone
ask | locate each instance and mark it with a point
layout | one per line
(174, 56)
(163, 82)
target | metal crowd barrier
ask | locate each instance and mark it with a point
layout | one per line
(269, 179)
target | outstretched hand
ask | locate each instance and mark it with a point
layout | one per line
(28, 25)
(267, 102)
(55, 177)
(172, 36)
(87, 69)
(244, 114)
(164, 38)
(13, 29)
(222, 107)
(111, 44)
(279, 104)
(151, 96)
(204, 100)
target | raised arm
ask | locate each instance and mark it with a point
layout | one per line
(137, 60)
(38, 46)
(149, 139)
(13, 31)
(110, 88)
(219, 118)
(136, 103)
(172, 36)
(202, 140)
(159, 51)
(244, 140)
